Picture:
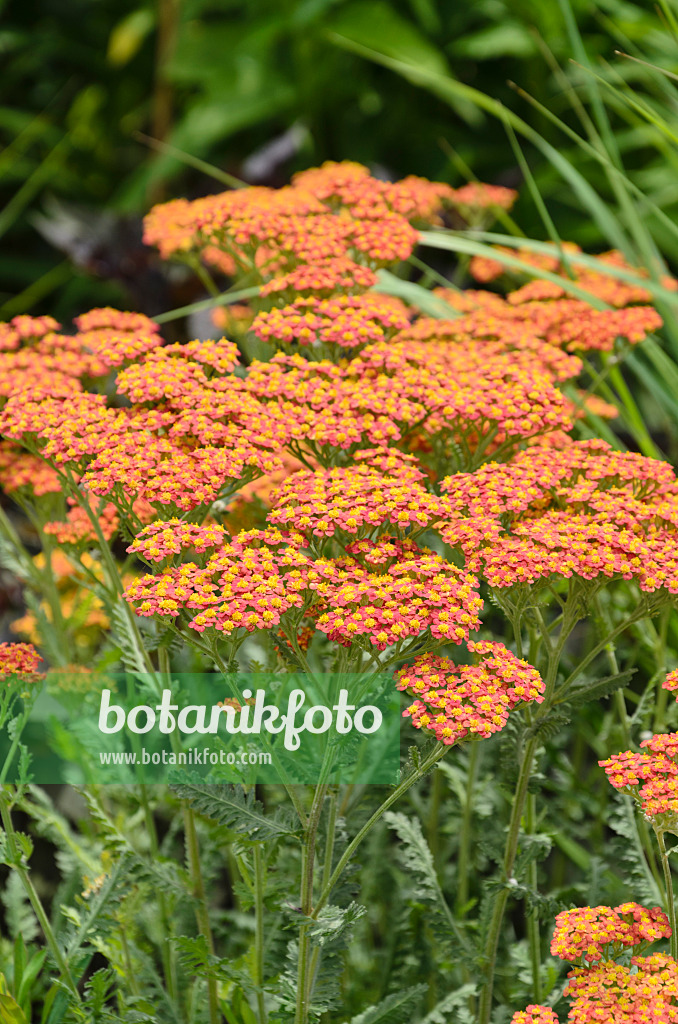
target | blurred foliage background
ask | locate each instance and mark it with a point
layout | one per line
(261, 88)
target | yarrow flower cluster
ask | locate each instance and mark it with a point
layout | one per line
(455, 701)
(18, 660)
(591, 934)
(579, 510)
(599, 988)
(291, 494)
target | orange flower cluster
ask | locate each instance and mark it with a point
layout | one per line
(644, 992)
(19, 469)
(324, 279)
(190, 432)
(455, 701)
(18, 659)
(601, 990)
(418, 597)
(345, 322)
(335, 211)
(591, 934)
(252, 580)
(353, 501)
(534, 1014)
(650, 778)
(581, 510)
(478, 196)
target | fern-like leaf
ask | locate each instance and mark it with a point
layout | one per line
(231, 806)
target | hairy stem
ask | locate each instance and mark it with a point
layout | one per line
(306, 904)
(494, 932)
(464, 857)
(34, 899)
(259, 889)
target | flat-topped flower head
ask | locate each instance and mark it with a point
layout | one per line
(343, 322)
(651, 778)
(535, 1014)
(20, 470)
(485, 269)
(18, 660)
(581, 509)
(478, 196)
(418, 597)
(478, 339)
(591, 934)
(354, 500)
(324, 279)
(645, 993)
(165, 539)
(457, 701)
(247, 583)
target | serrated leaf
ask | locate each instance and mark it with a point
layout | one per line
(599, 689)
(332, 922)
(231, 806)
(440, 1014)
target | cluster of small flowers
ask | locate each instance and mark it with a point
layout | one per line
(343, 322)
(586, 932)
(335, 211)
(544, 310)
(582, 509)
(644, 993)
(600, 989)
(252, 580)
(353, 500)
(18, 660)
(455, 701)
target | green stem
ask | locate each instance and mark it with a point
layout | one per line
(640, 826)
(327, 867)
(668, 884)
(306, 904)
(259, 889)
(436, 754)
(201, 910)
(13, 748)
(534, 938)
(586, 661)
(169, 955)
(34, 899)
(496, 922)
(464, 858)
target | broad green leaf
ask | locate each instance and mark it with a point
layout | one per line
(375, 25)
(128, 35)
(509, 38)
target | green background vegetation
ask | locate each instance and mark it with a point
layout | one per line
(385, 82)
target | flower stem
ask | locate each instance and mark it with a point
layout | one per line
(306, 903)
(259, 889)
(464, 858)
(668, 884)
(436, 754)
(34, 899)
(534, 938)
(492, 944)
(201, 910)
